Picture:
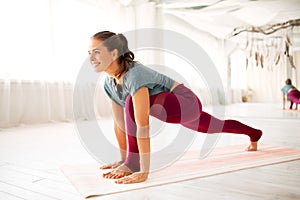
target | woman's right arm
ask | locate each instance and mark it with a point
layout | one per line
(119, 128)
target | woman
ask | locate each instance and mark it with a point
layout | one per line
(144, 92)
(291, 92)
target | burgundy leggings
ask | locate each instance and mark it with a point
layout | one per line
(183, 107)
(294, 96)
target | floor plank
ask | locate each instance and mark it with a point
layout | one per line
(8, 196)
(31, 183)
(20, 192)
(33, 171)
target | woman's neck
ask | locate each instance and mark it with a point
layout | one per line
(112, 72)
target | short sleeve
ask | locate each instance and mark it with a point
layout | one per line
(138, 78)
(141, 76)
(107, 89)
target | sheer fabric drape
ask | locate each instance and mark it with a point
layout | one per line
(26, 102)
(31, 102)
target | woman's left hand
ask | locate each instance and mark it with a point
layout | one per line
(136, 177)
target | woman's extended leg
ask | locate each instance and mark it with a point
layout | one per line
(183, 106)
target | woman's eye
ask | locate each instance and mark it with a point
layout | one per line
(95, 51)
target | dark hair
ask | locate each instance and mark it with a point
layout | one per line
(288, 81)
(114, 41)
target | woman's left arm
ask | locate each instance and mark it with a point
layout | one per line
(141, 104)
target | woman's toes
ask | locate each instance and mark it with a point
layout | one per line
(118, 173)
(252, 147)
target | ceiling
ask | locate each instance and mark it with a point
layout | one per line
(221, 17)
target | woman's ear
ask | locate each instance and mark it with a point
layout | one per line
(115, 54)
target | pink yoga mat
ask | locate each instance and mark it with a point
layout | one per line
(87, 177)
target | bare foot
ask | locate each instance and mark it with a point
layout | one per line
(136, 177)
(252, 147)
(119, 172)
(112, 166)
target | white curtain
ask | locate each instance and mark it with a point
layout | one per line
(266, 83)
(28, 101)
(255, 83)
(237, 77)
(296, 81)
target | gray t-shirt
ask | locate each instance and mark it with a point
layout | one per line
(138, 76)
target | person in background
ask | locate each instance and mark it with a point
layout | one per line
(290, 92)
(138, 92)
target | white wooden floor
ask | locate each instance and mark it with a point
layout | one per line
(30, 157)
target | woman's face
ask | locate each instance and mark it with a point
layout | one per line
(100, 57)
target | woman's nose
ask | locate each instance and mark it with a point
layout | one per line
(92, 58)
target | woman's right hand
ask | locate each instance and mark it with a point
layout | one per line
(113, 165)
